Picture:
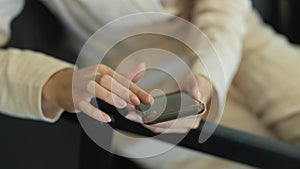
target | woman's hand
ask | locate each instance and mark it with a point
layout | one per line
(96, 81)
(199, 87)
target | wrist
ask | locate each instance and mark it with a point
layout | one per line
(53, 90)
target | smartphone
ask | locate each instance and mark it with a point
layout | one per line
(169, 107)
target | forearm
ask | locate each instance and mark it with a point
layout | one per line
(268, 78)
(58, 87)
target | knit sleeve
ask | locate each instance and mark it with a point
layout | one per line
(23, 74)
(268, 79)
(224, 24)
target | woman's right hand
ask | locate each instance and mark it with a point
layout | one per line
(95, 81)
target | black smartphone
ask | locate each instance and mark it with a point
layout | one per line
(169, 107)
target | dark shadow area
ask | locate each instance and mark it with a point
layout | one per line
(35, 145)
(282, 15)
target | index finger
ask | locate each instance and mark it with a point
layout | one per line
(144, 97)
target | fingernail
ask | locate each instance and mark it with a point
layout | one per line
(120, 103)
(135, 100)
(106, 118)
(150, 99)
(132, 117)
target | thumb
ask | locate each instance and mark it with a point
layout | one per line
(136, 73)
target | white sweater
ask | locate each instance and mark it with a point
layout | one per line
(83, 18)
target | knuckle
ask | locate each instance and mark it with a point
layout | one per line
(106, 96)
(90, 86)
(104, 69)
(156, 130)
(103, 79)
(82, 106)
(101, 67)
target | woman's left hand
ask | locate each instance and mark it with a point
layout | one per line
(199, 87)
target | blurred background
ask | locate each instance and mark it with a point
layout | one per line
(35, 145)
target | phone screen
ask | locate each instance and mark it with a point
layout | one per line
(169, 107)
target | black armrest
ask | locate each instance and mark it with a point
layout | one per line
(227, 143)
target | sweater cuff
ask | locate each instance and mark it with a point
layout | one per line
(52, 66)
(24, 74)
